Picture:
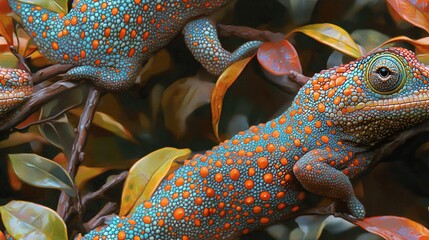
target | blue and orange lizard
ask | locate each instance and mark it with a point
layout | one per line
(109, 41)
(263, 174)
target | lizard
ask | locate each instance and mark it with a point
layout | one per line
(261, 175)
(15, 88)
(109, 41)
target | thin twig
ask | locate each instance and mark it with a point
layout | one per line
(249, 33)
(25, 127)
(65, 208)
(34, 103)
(108, 185)
(50, 72)
(101, 217)
(21, 59)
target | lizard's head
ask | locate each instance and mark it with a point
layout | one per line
(15, 88)
(374, 97)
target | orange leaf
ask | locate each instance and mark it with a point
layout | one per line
(225, 81)
(411, 13)
(6, 25)
(394, 228)
(279, 58)
(331, 35)
(4, 7)
(422, 44)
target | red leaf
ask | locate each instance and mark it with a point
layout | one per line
(278, 58)
(412, 13)
(392, 228)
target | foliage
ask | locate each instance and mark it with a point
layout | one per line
(174, 105)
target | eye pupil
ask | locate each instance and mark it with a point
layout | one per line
(383, 72)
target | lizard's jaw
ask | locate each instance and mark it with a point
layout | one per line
(417, 100)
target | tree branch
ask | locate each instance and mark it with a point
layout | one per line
(108, 185)
(50, 72)
(101, 216)
(249, 33)
(65, 209)
(34, 103)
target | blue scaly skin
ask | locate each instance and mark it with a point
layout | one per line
(15, 88)
(263, 174)
(109, 41)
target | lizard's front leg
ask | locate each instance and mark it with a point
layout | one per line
(202, 40)
(317, 172)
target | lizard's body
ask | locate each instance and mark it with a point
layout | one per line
(263, 174)
(109, 41)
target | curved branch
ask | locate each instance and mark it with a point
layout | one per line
(50, 72)
(249, 33)
(36, 100)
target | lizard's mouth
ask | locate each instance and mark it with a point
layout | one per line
(420, 99)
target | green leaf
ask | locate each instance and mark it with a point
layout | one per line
(8, 60)
(26, 220)
(41, 172)
(58, 6)
(145, 176)
(109, 123)
(181, 99)
(331, 35)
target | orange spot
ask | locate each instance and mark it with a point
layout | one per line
(122, 33)
(179, 182)
(74, 20)
(107, 32)
(268, 178)
(164, 202)
(83, 8)
(318, 124)
(147, 220)
(114, 11)
(264, 196)
(204, 172)
(248, 184)
(127, 18)
(297, 142)
(210, 192)
(179, 213)
(234, 174)
(257, 209)
(198, 201)
(251, 172)
(249, 200)
(30, 19)
(289, 129)
(82, 54)
(139, 19)
(321, 107)
(218, 177)
(262, 162)
(122, 235)
(308, 167)
(45, 17)
(95, 44)
(131, 52)
(325, 139)
(264, 220)
(271, 148)
(146, 35)
(307, 130)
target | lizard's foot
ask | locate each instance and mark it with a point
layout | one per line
(202, 40)
(356, 208)
(112, 79)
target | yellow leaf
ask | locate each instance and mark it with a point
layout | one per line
(85, 174)
(145, 176)
(331, 35)
(58, 6)
(108, 123)
(225, 81)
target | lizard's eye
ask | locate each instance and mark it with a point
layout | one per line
(385, 74)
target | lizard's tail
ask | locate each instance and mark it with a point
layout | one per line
(44, 27)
